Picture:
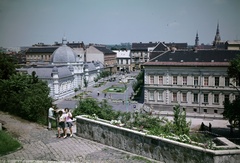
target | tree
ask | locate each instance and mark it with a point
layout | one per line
(25, 96)
(90, 106)
(180, 124)
(7, 66)
(232, 109)
(234, 68)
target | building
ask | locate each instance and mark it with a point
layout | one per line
(65, 72)
(101, 54)
(41, 53)
(123, 60)
(140, 54)
(194, 79)
(233, 45)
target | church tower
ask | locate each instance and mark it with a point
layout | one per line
(217, 38)
(197, 40)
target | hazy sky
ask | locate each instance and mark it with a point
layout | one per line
(26, 22)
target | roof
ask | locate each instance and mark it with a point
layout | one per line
(197, 57)
(234, 42)
(104, 49)
(46, 72)
(199, 64)
(50, 49)
(142, 46)
(161, 47)
(63, 54)
(177, 45)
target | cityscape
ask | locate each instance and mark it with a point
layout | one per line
(183, 67)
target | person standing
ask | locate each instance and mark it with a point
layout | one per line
(69, 122)
(51, 117)
(62, 124)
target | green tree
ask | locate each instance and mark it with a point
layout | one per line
(25, 96)
(232, 109)
(180, 124)
(7, 66)
(138, 85)
(234, 68)
(90, 106)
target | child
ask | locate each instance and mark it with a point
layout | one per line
(61, 124)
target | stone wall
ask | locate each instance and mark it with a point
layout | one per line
(153, 147)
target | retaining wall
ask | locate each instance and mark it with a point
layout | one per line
(153, 147)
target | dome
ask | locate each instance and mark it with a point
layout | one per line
(63, 54)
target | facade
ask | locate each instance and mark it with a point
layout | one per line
(123, 60)
(101, 54)
(39, 55)
(196, 80)
(66, 72)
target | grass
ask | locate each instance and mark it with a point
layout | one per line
(114, 89)
(7, 143)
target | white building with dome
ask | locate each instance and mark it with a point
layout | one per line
(66, 72)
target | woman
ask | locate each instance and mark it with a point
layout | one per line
(69, 120)
(61, 124)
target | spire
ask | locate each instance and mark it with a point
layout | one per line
(197, 40)
(217, 38)
(64, 40)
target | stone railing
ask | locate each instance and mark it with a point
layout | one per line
(150, 146)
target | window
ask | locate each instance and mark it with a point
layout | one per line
(216, 111)
(184, 80)
(195, 110)
(160, 80)
(205, 81)
(226, 98)
(236, 96)
(205, 110)
(195, 80)
(205, 98)
(184, 97)
(151, 79)
(160, 96)
(195, 97)
(216, 98)
(174, 96)
(226, 81)
(216, 81)
(174, 80)
(151, 95)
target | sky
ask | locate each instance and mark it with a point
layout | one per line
(27, 22)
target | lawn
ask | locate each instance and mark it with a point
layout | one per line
(113, 89)
(7, 143)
